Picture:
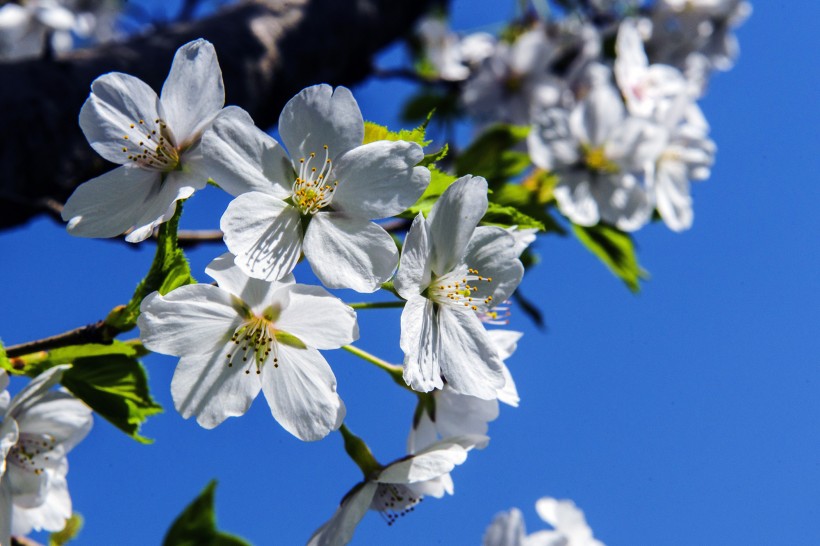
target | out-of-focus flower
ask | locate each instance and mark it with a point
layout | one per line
(569, 524)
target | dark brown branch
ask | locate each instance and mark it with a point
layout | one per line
(99, 332)
(268, 51)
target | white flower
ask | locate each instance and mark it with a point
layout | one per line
(570, 527)
(155, 139)
(512, 79)
(600, 154)
(398, 488)
(25, 28)
(38, 428)
(441, 49)
(320, 202)
(455, 414)
(247, 335)
(450, 269)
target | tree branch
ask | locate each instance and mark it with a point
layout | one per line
(98, 332)
(268, 51)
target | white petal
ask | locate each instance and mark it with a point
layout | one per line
(379, 179)
(349, 252)
(575, 200)
(206, 387)
(160, 207)
(116, 102)
(672, 195)
(193, 93)
(264, 233)
(453, 219)
(318, 318)
(301, 393)
(60, 416)
(422, 434)
(507, 529)
(9, 433)
(50, 515)
(339, 529)
(492, 252)
(319, 116)
(623, 202)
(6, 509)
(597, 115)
(433, 461)
(256, 293)
(196, 319)
(563, 515)
(32, 393)
(241, 157)
(56, 17)
(458, 414)
(108, 205)
(504, 341)
(468, 359)
(550, 142)
(548, 538)
(414, 275)
(420, 343)
(508, 393)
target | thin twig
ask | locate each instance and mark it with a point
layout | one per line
(98, 332)
(24, 541)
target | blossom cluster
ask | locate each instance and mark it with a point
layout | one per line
(623, 133)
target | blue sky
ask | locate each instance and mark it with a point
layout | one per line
(688, 414)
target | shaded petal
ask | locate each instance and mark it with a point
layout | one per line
(349, 252)
(108, 205)
(671, 189)
(504, 341)
(575, 200)
(422, 434)
(550, 142)
(321, 116)
(32, 393)
(492, 251)
(206, 387)
(9, 433)
(597, 115)
(453, 219)
(458, 414)
(433, 461)
(468, 359)
(6, 509)
(193, 93)
(160, 208)
(196, 319)
(507, 529)
(379, 179)
(240, 157)
(414, 275)
(60, 416)
(264, 233)
(318, 318)
(255, 293)
(339, 529)
(50, 515)
(116, 102)
(301, 393)
(623, 202)
(420, 343)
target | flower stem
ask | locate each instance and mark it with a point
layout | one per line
(358, 450)
(377, 304)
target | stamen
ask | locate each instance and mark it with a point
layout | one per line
(158, 153)
(311, 189)
(455, 288)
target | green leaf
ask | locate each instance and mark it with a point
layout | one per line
(439, 181)
(72, 528)
(374, 132)
(169, 270)
(196, 525)
(431, 159)
(616, 250)
(528, 200)
(426, 100)
(492, 155)
(116, 387)
(506, 216)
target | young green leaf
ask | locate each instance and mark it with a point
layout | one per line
(616, 250)
(196, 525)
(374, 132)
(439, 181)
(506, 216)
(492, 155)
(169, 270)
(73, 526)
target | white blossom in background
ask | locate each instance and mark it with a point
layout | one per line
(451, 269)
(397, 488)
(456, 414)
(155, 139)
(247, 335)
(26, 29)
(451, 57)
(38, 427)
(321, 201)
(570, 527)
(600, 154)
(509, 82)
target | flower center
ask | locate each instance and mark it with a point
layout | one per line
(393, 500)
(151, 146)
(257, 338)
(312, 190)
(455, 288)
(596, 160)
(32, 452)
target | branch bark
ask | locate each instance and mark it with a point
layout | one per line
(268, 51)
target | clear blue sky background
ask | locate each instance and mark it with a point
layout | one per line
(689, 414)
